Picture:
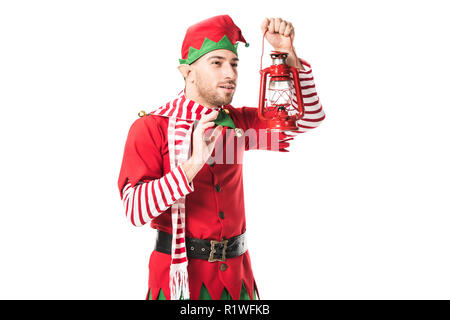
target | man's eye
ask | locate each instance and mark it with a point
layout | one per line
(216, 62)
(234, 65)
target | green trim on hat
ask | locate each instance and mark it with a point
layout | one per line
(208, 46)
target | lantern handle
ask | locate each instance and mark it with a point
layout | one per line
(295, 53)
(262, 50)
(292, 46)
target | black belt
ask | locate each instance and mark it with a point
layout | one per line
(210, 250)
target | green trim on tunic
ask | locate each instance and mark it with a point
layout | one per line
(204, 294)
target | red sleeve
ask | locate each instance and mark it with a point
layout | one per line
(142, 158)
(144, 189)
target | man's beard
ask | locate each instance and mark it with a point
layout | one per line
(212, 97)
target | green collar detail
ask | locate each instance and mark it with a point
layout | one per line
(224, 119)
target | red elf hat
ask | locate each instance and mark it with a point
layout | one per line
(215, 33)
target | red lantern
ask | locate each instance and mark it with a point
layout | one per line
(283, 106)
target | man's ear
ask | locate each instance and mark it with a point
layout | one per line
(185, 70)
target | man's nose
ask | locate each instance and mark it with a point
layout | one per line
(228, 71)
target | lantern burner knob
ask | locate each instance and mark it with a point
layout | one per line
(278, 57)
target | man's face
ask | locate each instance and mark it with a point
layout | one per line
(216, 76)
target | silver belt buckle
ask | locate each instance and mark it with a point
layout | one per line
(213, 250)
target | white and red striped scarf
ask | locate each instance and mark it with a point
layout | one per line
(182, 114)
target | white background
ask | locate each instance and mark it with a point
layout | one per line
(358, 209)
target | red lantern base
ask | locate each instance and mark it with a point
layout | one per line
(281, 125)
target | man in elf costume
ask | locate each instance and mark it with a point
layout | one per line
(174, 176)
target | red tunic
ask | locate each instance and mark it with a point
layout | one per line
(215, 209)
